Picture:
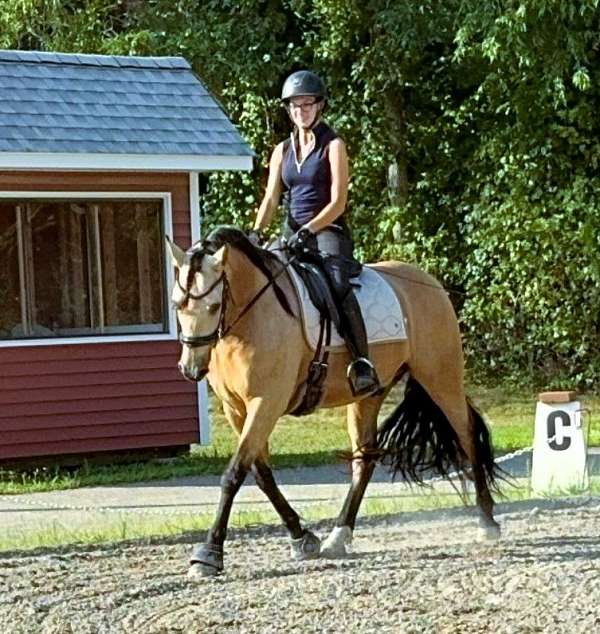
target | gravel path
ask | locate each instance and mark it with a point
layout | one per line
(418, 572)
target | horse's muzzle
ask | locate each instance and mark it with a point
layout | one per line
(192, 374)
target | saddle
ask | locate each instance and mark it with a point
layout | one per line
(320, 316)
(319, 292)
(317, 285)
(381, 310)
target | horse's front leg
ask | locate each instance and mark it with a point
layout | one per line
(207, 558)
(261, 416)
(304, 544)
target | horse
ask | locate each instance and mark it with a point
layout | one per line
(239, 325)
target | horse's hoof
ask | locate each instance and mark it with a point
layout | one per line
(202, 571)
(337, 542)
(206, 561)
(488, 533)
(306, 547)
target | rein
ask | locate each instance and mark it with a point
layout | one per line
(189, 295)
(196, 341)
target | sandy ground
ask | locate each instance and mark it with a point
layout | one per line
(414, 572)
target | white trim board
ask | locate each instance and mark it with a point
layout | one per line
(70, 341)
(205, 426)
(169, 281)
(122, 162)
(114, 195)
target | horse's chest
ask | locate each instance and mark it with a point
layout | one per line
(228, 374)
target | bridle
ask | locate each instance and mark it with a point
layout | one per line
(197, 341)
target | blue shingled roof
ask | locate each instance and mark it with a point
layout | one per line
(101, 104)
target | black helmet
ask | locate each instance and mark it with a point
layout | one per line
(303, 82)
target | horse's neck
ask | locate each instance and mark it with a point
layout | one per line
(245, 280)
(252, 292)
(246, 283)
(261, 344)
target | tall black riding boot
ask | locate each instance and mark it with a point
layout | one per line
(361, 372)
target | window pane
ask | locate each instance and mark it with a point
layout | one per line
(58, 269)
(131, 246)
(10, 303)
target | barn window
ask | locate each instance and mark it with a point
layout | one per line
(81, 267)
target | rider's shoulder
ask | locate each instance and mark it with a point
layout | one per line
(278, 152)
(337, 147)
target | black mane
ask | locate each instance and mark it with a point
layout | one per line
(262, 259)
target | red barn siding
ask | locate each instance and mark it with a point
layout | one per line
(80, 398)
(85, 401)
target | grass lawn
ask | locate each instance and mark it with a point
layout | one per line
(308, 441)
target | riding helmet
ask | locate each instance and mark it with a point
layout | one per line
(301, 83)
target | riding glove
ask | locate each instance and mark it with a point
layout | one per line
(302, 240)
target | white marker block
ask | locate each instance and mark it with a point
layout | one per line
(559, 461)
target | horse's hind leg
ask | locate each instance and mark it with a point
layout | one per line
(362, 429)
(483, 471)
(473, 437)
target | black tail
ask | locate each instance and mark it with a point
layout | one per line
(417, 438)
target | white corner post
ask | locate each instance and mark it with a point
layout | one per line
(205, 428)
(559, 461)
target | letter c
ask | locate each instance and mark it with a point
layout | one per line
(565, 420)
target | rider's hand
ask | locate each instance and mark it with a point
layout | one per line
(301, 240)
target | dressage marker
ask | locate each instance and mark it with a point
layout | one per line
(559, 462)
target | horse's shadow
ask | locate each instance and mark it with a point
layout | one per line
(564, 549)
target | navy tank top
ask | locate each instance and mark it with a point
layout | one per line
(307, 185)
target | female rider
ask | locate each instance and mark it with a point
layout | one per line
(311, 170)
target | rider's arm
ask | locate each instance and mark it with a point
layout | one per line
(338, 160)
(270, 201)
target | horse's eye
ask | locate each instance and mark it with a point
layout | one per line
(213, 308)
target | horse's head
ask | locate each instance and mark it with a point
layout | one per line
(198, 295)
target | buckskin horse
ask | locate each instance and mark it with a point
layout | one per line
(239, 326)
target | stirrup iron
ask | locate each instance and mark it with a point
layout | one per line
(363, 377)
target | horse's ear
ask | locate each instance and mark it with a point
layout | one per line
(177, 254)
(219, 258)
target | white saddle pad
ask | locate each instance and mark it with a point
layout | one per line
(379, 305)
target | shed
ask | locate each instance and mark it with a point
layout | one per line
(100, 157)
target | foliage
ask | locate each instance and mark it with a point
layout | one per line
(471, 127)
(532, 267)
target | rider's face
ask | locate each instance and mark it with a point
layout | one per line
(304, 110)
